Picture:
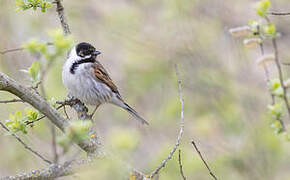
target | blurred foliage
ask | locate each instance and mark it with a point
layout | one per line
(262, 7)
(34, 4)
(59, 45)
(33, 71)
(17, 122)
(225, 94)
(77, 131)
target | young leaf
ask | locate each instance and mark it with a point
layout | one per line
(34, 71)
(262, 7)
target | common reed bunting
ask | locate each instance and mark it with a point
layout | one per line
(87, 80)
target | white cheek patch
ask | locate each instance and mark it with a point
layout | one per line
(87, 57)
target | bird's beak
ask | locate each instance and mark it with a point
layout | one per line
(97, 53)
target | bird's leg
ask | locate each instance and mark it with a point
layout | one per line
(94, 111)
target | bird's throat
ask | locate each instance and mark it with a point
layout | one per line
(75, 65)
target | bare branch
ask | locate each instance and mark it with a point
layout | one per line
(12, 101)
(180, 165)
(279, 13)
(52, 172)
(34, 99)
(11, 50)
(163, 163)
(19, 49)
(53, 144)
(204, 162)
(25, 145)
(63, 21)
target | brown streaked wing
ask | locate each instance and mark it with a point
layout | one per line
(103, 76)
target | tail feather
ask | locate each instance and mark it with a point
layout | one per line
(135, 114)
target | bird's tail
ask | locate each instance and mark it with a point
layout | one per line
(134, 113)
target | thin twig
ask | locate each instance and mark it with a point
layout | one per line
(19, 49)
(281, 75)
(12, 101)
(268, 78)
(180, 165)
(43, 116)
(53, 144)
(11, 50)
(43, 74)
(25, 145)
(163, 163)
(279, 13)
(204, 162)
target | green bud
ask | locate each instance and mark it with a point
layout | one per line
(270, 30)
(34, 71)
(262, 7)
(275, 110)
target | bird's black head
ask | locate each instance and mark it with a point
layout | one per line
(85, 49)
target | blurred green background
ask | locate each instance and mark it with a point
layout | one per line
(224, 90)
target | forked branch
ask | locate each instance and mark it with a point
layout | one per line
(163, 163)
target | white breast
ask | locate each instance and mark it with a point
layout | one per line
(84, 85)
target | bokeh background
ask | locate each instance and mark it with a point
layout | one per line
(224, 90)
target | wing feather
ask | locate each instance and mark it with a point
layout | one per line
(102, 75)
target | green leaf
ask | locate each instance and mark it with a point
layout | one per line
(34, 4)
(276, 125)
(275, 87)
(16, 123)
(31, 115)
(270, 30)
(34, 71)
(31, 46)
(275, 110)
(262, 7)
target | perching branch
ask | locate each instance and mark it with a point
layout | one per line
(38, 102)
(180, 165)
(34, 99)
(78, 106)
(204, 162)
(163, 163)
(25, 145)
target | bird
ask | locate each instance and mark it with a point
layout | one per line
(87, 80)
